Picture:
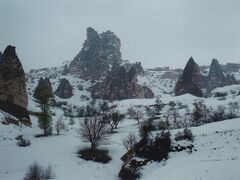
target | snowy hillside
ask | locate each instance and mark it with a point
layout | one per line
(217, 144)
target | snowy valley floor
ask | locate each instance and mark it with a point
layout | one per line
(217, 156)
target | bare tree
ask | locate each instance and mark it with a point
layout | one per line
(60, 125)
(94, 130)
(113, 119)
(138, 115)
(129, 141)
(159, 105)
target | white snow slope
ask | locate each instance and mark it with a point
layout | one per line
(217, 156)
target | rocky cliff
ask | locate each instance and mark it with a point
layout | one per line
(98, 54)
(121, 84)
(216, 76)
(65, 70)
(191, 80)
(13, 95)
(64, 89)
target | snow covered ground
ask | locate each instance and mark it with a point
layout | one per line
(218, 144)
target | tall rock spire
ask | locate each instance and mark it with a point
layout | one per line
(13, 94)
(190, 80)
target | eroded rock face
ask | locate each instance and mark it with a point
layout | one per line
(216, 76)
(121, 84)
(191, 80)
(13, 95)
(137, 66)
(43, 89)
(229, 80)
(65, 70)
(97, 56)
(64, 89)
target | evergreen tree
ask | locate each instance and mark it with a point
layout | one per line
(45, 118)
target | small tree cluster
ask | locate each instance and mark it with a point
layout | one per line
(156, 148)
(113, 119)
(186, 134)
(219, 114)
(145, 129)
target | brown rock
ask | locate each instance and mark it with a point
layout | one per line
(13, 95)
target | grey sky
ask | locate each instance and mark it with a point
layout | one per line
(155, 32)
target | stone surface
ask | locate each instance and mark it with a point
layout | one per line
(43, 89)
(216, 76)
(120, 84)
(13, 95)
(64, 89)
(65, 70)
(229, 80)
(97, 56)
(137, 66)
(191, 80)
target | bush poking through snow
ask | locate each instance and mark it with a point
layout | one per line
(220, 94)
(129, 141)
(157, 148)
(97, 155)
(163, 125)
(37, 172)
(60, 125)
(22, 142)
(186, 134)
(145, 129)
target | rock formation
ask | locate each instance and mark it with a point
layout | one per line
(191, 80)
(64, 89)
(216, 76)
(229, 80)
(97, 56)
(137, 66)
(120, 84)
(65, 70)
(43, 89)
(13, 95)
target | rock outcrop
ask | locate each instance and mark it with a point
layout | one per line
(65, 70)
(191, 80)
(120, 84)
(137, 66)
(97, 56)
(13, 94)
(43, 89)
(64, 89)
(216, 76)
(229, 80)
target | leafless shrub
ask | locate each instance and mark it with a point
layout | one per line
(94, 130)
(129, 141)
(37, 172)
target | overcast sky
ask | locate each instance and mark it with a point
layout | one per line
(155, 32)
